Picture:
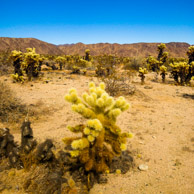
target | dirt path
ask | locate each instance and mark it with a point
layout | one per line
(161, 118)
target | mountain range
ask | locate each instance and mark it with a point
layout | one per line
(175, 49)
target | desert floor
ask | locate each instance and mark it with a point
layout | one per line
(161, 118)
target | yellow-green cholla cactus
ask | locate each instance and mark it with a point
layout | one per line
(61, 60)
(182, 72)
(142, 72)
(17, 78)
(17, 57)
(31, 63)
(163, 73)
(101, 138)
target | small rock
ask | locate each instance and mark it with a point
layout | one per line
(17, 187)
(102, 180)
(148, 87)
(154, 137)
(143, 167)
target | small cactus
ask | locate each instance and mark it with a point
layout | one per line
(163, 73)
(142, 72)
(101, 110)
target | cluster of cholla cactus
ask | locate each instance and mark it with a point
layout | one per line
(152, 63)
(17, 57)
(75, 62)
(61, 60)
(182, 72)
(163, 70)
(101, 139)
(142, 72)
(106, 65)
(155, 64)
(31, 63)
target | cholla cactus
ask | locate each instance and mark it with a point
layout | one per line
(101, 71)
(100, 130)
(31, 63)
(153, 64)
(87, 52)
(190, 54)
(161, 48)
(61, 61)
(17, 58)
(182, 72)
(163, 73)
(75, 70)
(17, 78)
(142, 72)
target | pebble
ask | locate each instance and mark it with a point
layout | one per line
(148, 87)
(143, 167)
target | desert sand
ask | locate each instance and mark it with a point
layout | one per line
(161, 117)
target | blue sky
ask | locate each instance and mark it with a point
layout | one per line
(62, 21)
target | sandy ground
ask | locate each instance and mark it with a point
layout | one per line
(161, 118)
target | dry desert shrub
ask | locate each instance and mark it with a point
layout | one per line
(118, 84)
(11, 108)
(5, 63)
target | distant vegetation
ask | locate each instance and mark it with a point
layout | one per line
(28, 65)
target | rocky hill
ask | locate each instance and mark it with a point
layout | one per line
(23, 43)
(175, 49)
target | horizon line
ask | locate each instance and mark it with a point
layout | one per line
(97, 42)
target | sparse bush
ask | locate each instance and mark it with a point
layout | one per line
(5, 62)
(11, 109)
(136, 63)
(118, 84)
(100, 130)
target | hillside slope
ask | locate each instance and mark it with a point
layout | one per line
(175, 49)
(23, 43)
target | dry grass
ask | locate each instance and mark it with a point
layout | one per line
(11, 108)
(13, 111)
